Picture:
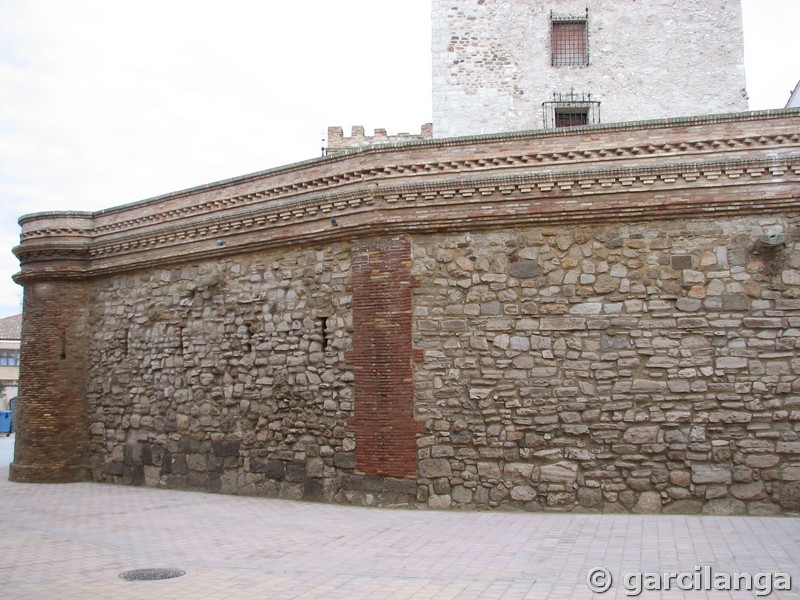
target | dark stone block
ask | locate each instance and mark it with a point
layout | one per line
(296, 471)
(214, 482)
(735, 302)
(400, 486)
(221, 448)
(147, 454)
(590, 497)
(790, 496)
(131, 454)
(115, 468)
(198, 481)
(345, 460)
(134, 474)
(314, 490)
(152, 454)
(178, 465)
(372, 484)
(271, 468)
(351, 482)
(525, 269)
(462, 438)
(681, 262)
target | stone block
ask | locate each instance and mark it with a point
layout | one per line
(314, 490)
(525, 269)
(731, 362)
(788, 447)
(344, 460)
(680, 262)
(763, 509)
(522, 470)
(735, 302)
(590, 497)
(296, 471)
(683, 507)
(749, 491)
(461, 495)
(523, 493)
(431, 468)
(400, 486)
(725, 507)
(790, 473)
(761, 461)
(790, 496)
(648, 503)
(562, 324)
(680, 478)
(648, 386)
(641, 435)
(711, 474)
(560, 472)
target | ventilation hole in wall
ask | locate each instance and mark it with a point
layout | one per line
(181, 326)
(247, 345)
(323, 327)
(63, 354)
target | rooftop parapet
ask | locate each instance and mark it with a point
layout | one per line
(337, 143)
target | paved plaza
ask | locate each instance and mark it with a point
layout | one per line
(72, 541)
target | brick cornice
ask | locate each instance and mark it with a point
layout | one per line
(483, 189)
(510, 162)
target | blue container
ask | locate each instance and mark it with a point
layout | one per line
(5, 422)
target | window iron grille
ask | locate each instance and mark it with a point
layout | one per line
(570, 40)
(570, 109)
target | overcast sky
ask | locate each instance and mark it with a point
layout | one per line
(104, 102)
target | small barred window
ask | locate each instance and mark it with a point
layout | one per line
(570, 39)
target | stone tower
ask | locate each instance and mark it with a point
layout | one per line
(507, 65)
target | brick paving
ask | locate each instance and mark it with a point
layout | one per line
(73, 540)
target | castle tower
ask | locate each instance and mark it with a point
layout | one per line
(516, 64)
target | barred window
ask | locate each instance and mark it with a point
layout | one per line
(571, 117)
(571, 109)
(570, 40)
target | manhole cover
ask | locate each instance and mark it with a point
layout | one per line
(151, 574)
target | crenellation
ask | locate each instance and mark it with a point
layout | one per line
(338, 143)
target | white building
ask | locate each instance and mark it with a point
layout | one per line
(10, 335)
(507, 65)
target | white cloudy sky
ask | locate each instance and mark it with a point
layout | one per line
(104, 102)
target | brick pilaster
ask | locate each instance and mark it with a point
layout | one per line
(52, 429)
(382, 357)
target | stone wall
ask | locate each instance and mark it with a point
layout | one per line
(641, 367)
(604, 320)
(492, 66)
(645, 367)
(227, 376)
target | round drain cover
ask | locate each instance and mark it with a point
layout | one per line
(151, 574)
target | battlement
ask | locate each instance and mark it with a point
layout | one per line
(337, 143)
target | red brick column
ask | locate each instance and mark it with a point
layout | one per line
(51, 420)
(382, 356)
